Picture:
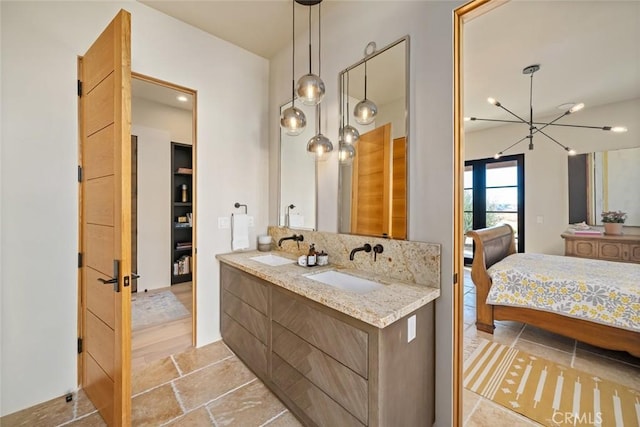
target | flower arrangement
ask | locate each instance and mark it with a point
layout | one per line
(614, 217)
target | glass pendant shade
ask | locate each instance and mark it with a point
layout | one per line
(350, 135)
(365, 112)
(319, 146)
(310, 89)
(293, 121)
(346, 153)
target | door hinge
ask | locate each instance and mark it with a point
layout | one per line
(455, 278)
(79, 259)
(79, 88)
(79, 345)
(79, 173)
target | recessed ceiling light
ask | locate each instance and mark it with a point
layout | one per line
(182, 98)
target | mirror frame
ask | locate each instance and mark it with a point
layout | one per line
(407, 63)
(281, 213)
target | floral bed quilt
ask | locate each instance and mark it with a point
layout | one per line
(605, 292)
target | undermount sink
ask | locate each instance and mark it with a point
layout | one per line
(345, 281)
(272, 260)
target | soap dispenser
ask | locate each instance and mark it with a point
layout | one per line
(311, 256)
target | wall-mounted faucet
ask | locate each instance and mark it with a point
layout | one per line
(366, 248)
(377, 249)
(296, 237)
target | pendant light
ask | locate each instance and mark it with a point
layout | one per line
(346, 150)
(310, 87)
(319, 145)
(350, 135)
(293, 120)
(365, 111)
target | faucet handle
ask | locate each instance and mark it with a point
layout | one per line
(377, 249)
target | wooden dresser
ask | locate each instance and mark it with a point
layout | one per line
(624, 248)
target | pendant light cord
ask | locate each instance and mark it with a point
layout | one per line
(293, 53)
(348, 112)
(309, 39)
(365, 79)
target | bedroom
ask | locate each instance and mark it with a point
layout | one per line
(575, 66)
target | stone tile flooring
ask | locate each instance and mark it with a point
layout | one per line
(209, 386)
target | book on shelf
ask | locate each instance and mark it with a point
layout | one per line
(182, 225)
(184, 170)
(182, 265)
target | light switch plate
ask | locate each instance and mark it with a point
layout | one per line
(224, 222)
(411, 328)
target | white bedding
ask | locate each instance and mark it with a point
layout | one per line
(605, 292)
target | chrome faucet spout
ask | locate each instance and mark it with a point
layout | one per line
(366, 247)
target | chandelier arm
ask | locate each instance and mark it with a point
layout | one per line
(575, 126)
(493, 120)
(514, 144)
(554, 140)
(513, 114)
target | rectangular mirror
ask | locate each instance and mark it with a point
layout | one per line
(298, 195)
(373, 172)
(604, 181)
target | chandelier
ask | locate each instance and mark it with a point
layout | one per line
(538, 127)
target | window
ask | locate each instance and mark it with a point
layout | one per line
(494, 194)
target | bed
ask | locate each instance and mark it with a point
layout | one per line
(565, 295)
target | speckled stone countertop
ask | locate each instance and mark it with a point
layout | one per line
(379, 308)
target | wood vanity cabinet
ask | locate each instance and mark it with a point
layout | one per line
(327, 367)
(625, 248)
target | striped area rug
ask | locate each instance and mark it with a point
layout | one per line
(549, 393)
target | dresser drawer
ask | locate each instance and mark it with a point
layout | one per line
(610, 251)
(336, 380)
(343, 342)
(252, 320)
(246, 287)
(634, 253)
(317, 405)
(247, 347)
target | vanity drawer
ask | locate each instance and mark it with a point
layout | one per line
(315, 404)
(247, 316)
(247, 347)
(246, 287)
(343, 342)
(336, 380)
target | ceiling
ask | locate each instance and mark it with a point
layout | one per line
(161, 94)
(588, 50)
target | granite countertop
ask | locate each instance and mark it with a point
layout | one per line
(379, 308)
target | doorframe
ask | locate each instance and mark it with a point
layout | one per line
(194, 94)
(462, 14)
(194, 184)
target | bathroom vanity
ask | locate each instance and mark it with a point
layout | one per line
(334, 357)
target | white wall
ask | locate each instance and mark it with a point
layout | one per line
(345, 35)
(40, 45)
(177, 121)
(546, 167)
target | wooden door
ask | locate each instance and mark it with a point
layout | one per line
(399, 189)
(371, 191)
(105, 143)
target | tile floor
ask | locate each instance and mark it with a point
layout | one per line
(617, 366)
(209, 386)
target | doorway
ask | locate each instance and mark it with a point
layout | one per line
(163, 319)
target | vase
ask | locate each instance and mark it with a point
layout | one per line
(613, 228)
